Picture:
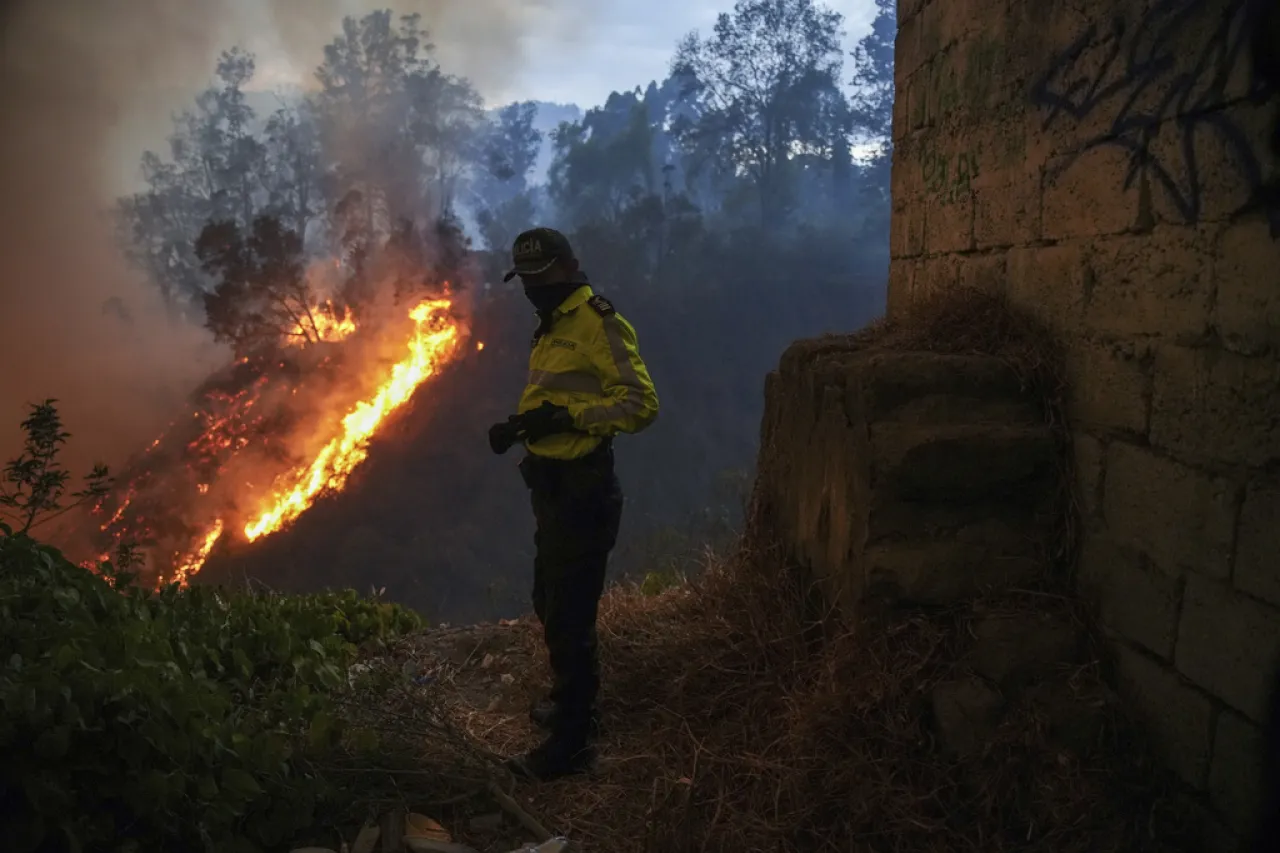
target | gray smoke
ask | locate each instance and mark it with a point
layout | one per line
(86, 86)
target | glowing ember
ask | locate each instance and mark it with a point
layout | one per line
(192, 563)
(119, 512)
(429, 347)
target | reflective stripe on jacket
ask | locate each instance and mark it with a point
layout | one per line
(589, 363)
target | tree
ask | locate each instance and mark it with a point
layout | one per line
(33, 484)
(872, 101)
(507, 149)
(294, 166)
(761, 88)
(398, 129)
(262, 296)
(214, 171)
(601, 162)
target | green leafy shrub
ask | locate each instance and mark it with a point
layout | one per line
(173, 720)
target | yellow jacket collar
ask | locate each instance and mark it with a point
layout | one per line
(575, 300)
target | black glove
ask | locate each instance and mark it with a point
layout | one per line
(547, 419)
(503, 435)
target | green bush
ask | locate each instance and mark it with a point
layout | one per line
(173, 720)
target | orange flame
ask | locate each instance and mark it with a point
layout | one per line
(192, 562)
(432, 343)
(231, 423)
(326, 324)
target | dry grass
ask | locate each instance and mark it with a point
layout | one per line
(734, 726)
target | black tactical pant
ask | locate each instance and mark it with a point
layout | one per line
(578, 507)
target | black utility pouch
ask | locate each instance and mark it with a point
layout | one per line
(536, 473)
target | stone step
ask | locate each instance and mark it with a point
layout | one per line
(961, 463)
(909, 387)
(1021, 647)
(946, 571)
(922, 388)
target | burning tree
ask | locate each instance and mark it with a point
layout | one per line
(262, 296)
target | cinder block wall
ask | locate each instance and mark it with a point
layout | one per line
(1092, 158)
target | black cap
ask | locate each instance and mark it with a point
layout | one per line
(535, 250)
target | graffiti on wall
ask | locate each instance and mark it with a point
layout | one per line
(967, 81)
(1166, 73)
(948, 176)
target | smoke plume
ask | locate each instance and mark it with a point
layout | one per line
(87, 85)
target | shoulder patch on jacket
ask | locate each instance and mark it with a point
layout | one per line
(601, 306)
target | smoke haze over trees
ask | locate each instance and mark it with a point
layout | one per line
(726, 210)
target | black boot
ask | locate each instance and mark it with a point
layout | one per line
(554, 758)
(543, 715)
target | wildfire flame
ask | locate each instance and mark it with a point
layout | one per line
(237, 416)
(191, 564)
(429, 347)
(323, 323)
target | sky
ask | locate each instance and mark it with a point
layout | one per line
(627, 43)
(563, 51)
(579, 53)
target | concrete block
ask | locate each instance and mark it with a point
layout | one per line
(1000, 142)
(1052, 283)
(1213, 184)
(918, 115)
(1236, 771)
(1087, 456)
(936, 274)
(908, 54)
(1109, 385)
(906, 184)
(1182, 518)
(1011, 648)
(1055, 91)
(908, 9)
(1247, 280)
(1178, 718)
(948, 223)
(1257, 568)
(1132, 600)
(902, 281)
(1153, 284)
(1081, 197)
(906, 228)
(900, 124)
(1216, 405)
(1227, 644)
(987, 272)
(1008, 213)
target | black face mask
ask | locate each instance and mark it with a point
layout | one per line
(547, 297)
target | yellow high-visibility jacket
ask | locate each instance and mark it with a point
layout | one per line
(589, 363)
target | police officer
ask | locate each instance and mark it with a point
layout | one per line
(586, 383)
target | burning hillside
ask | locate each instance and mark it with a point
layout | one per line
(272, 433)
